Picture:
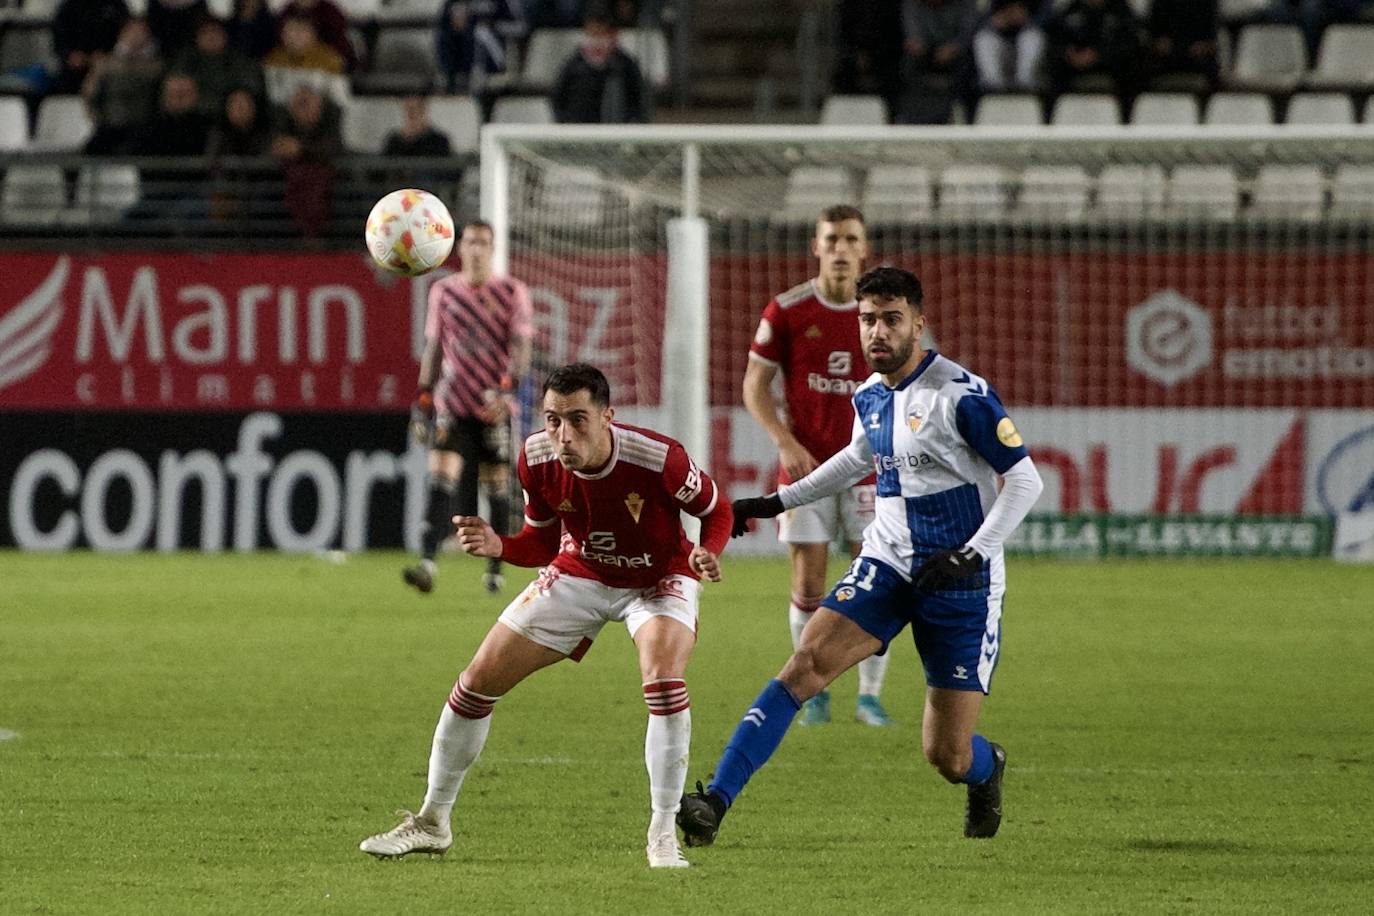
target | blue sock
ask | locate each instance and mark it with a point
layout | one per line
(755, 739)
(980, 771)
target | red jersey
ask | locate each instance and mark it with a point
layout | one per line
(620, 525)
(477, 328)
(816, 346)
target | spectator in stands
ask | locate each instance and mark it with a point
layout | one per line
(1096, 44)
(417, 136)
(121, 89)
(625, 14)
(868, 48)
(174, 23)
(300, 48)
(242, 129)
(81, 30)
(937, 59)
(471, 38)
(1183, 39)
(252, 29)
(331, 25)
(1009, 46)
(180, 128)
(1313, 16)
(306, 141)
(217, 68)
(554, 14)
(600, 83)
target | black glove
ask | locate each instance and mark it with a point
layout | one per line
(946, 568)
(422, 417)
(753, 507)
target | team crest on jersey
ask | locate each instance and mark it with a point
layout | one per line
(565, 506)
(914, 416)
(844, 594)
(635, 504)
(813, 332)
(1007, 433)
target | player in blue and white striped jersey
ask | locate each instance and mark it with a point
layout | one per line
(939, 439)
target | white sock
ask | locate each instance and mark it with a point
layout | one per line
(796, 619)
(871, 671)
(429, 566)
(667, 740)
(458, 742)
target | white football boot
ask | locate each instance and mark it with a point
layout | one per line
(411, 835)
(664, 852)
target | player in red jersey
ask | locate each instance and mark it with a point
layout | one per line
(477, 346)
(601, 510)
(811, 335)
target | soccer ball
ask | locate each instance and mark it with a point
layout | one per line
(409, 232)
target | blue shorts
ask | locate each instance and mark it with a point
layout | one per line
(958, 633)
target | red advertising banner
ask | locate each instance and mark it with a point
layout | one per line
(329, 331)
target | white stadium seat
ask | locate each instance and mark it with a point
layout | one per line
(1240, 108)
(1272, 57)
(1162, 109)
(14, 123)
(812, 188)
(1053, 192)
(546, 53)
(1008, 111)
(854, 110)
(1345, 58)
(649, 48)
(1289, 192)
(459, 118)
(522, 109)
(1352, 191)
(1320, 108)
(63, 124)
(368, 120)
(1130, 191)
(1092, 109)
(104, 193)
(1206, 192)
(897, 193)
(973, 192)
(33, 195)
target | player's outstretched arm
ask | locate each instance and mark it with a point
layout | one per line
(768, 506)
(476, 536)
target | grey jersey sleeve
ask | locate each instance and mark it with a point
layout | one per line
(1021, 486)
(837, 473)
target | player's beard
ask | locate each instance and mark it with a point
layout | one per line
(891, 361)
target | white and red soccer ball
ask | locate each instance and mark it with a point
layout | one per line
(409, 232)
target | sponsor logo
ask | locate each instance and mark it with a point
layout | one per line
(26, 331)
(566, 506)
(840, 362)
(914, 416)
(1143, 535)
(600, 548)
(635, 504)
(755, 716)
(896, 462)
(817, 382)
(1007, 434)
(875, 421)
(813, 333)
(844, 593)
(960, 673)
(1345, 476)
(690, 489)
(1168, 338)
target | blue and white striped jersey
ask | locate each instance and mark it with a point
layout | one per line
(938, 442)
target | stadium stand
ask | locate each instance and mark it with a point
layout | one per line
(1091, 109)
(854, 110)
(1164, 108)
(893, 193)
(1320, 108)
(1008, 110)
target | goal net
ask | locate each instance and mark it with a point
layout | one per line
(1181, 320)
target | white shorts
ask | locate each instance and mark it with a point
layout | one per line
(564, 613)
(821, 522)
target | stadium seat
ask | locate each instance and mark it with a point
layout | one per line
(403, 60)
(361, 11)
(973, 192)
(1320, 108)
(1008, 111)
(1352, 191)
(1269, 57)
(21, 47)
(545, 55)
(1240, 108)
(1203, 192)
(104, 193)
(854, 110)
(810, 189)
(1092, 109)
(1053, 193)
(1129, 192)
(1289, 192)
(368, 120)
(897, 193)
(458, 117)
(1345, 58)
(14, 124)
(649, 48)
(573, 197)
(63, 124)
(33, 195)
(282, 83)
(1163, 109)
(522, 109)
(404, 10)
(1241, 10)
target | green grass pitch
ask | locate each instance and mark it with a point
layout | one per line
(190, 734)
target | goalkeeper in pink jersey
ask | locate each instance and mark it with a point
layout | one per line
(477, 347)
(602, 504)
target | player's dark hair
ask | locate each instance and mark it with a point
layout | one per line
(477, 224)
(841, 212)
(577, 377)
(891, 283)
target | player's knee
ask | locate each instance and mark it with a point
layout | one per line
(481, 679)
(803, 674)
(470, 701)
(950, 761)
